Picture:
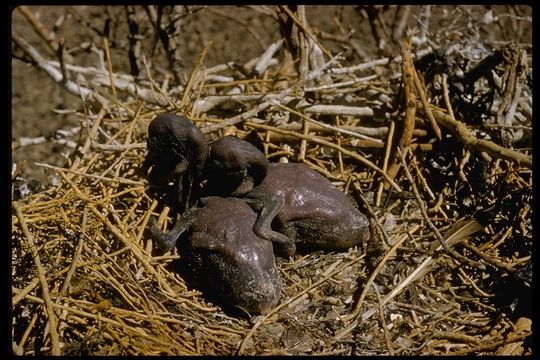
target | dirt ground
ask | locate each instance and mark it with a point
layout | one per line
(456, 308)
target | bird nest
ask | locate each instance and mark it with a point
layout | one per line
(446, 272)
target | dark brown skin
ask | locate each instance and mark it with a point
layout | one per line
(298, 206)
(303, 205)
(177, 152)
(234, 167)
(225, 256)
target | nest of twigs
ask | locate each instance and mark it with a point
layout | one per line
(448, 268)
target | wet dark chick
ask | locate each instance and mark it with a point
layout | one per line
(225, 258)
(298, 206)
(234, 167)
(177, 152)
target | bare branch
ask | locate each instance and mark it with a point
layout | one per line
(81, 91)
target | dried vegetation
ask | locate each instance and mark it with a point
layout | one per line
(429, 130)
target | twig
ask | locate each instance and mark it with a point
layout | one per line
(522, 325)
(401, 23)
(134, 38)
(74, 261)
(387, 151)
(459, 232)
(98, 177)
(361, 132)
(262, 9)
(190, 84)
(358, 306)
(53, 324)
(22, 293)
(423, 180)
(268, 100)
(56, 75)
(330, 273)
(472, 143)
(447, 96)
(408, 79)
(372, 214)
(165, 33)
(423, 210)
(110, 70)
(39, 28)
(515, 58)
(493, 346)
(264, 61)
(387, 338)
(58, 137)
(359, 111)
(490, 260)
(155, 86)
(305, 30)
(373, 63)
(19, 348)
(60, 53)
(118, 147)
(303, 56)
(100, 317)
(352, 154)
(208, 103)
(435, 314)
(303, 142)
(463, 338)
(341, 84)
(122, 82)
(423, 20)
(137, 252)
(473, 284)
(410, 106)
(421, 92)
(346, 38)
(91, 134)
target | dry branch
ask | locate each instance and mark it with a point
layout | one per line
(269, 100)
(471, 142)
(41, 30)
(72, 87)
(339, 110)
(53, 321)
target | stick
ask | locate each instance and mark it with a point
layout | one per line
(352, 154)
(56, 75)
(266, 57)
(134, 249)
(98, 177)
(356, 310)
(372, 64)
(41, 30)
(472, 143)
(43, 280)
(269, 100)
(420, 90)
(304, 30)
(359, 111)
(331, 272)
(430, 224)
(410, 107)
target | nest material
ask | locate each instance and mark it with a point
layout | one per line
(85, 278)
